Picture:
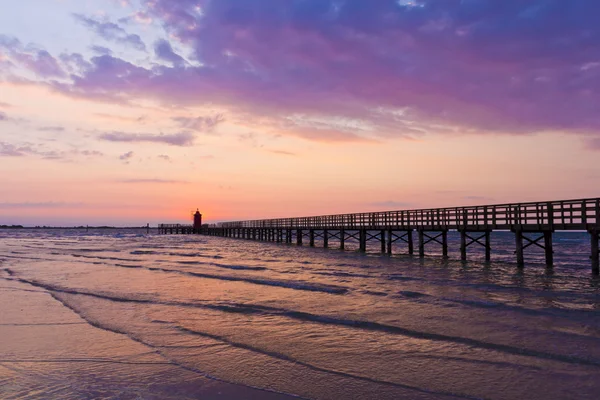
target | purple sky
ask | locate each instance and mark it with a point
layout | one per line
(230, 88)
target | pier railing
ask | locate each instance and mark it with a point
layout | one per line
(582, 214)
(532, 223)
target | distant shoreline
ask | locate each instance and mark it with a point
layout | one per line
(72, 227)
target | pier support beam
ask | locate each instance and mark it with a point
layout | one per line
(463, 245)
(519, 248)
(467, 240)
(488, 247)
(362, 239)
(311, 237)
(342, 239)
(548, 249)
(441, 238)
(382, 239)
(299, 237)
(390, 234)
(325, 238)
(595, 252)
(445, 244)
(547, 246)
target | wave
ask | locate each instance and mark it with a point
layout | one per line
(103, 258)
(225, 266)
(284, 357)
(241, 308)
(343, 274)
(216, 257)
(157, 349)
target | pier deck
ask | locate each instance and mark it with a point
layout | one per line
(532, 223)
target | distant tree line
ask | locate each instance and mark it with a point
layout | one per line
(11, 226)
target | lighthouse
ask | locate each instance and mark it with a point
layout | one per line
(197, 220)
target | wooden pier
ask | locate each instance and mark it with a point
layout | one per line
(533, 224)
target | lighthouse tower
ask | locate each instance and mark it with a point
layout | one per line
(197, 220)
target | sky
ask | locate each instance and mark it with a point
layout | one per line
(127, 112)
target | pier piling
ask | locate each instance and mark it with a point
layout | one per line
(595, 252)
(533, 224)
(519, 250)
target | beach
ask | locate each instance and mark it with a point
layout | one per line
(122, 314)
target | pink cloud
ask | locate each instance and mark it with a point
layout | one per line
(177, 139)
(36, 60)
(363, 70)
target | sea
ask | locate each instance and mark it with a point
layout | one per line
(123, 314)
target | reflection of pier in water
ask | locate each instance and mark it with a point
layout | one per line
(532, 224)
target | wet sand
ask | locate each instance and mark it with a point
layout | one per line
(48, 351)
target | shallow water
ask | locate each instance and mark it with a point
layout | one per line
(315, 323)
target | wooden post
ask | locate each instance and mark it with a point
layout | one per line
(445, 243)
(488, 247)
(362, 239)
(519, 245)
(421, 243)
(382, 238)
(311, 235)
(548, 249)
(463, 245)
(411, 247)
(299, 237)
(389, 241)
(342, 239)
(595, 253)
(325, 238)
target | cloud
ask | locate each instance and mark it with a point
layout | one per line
(34, 59)
(40, 150)
(391, 204)
(145, 181)
(282, 152)
(359, 70)
(111, 32)
(91, 153)
(3, 117)
(5, 105)
(101, 50)
(164, 51)
(51, 129)
(593, 144)
(200, 124)
(164, 157)
(177, 139)
(9, 150)
(41, 205)
(127, 156)
(140, 120)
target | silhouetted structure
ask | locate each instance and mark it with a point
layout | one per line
(197, 220)
(532, 223)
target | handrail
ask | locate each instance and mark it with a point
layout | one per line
(561, 215)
